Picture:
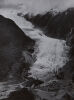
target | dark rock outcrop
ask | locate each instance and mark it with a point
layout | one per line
(55, 25)
(40, 20)
(13, 42)
(22, 94)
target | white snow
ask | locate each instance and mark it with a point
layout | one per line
(51, 54)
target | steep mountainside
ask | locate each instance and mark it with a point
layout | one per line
(14, 47)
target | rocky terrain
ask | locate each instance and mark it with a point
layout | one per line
(14, 47)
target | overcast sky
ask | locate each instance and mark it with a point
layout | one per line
(38, 5)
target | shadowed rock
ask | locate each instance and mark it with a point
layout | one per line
(13, 42)
(55, 25)
(22, 94)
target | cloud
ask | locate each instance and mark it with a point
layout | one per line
(1, 2)
(38, 5)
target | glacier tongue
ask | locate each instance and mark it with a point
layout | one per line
(51, 54)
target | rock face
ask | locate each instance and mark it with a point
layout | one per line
(56, 25)
(22, 94)
(13, 42)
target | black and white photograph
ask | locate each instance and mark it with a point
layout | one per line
(36, 50)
